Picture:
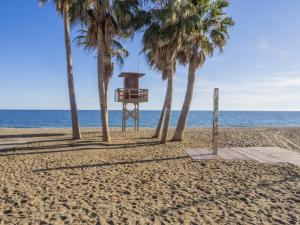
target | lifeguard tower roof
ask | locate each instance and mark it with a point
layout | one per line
(125, 74)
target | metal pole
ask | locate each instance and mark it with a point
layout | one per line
(138, 117)
(135, 117)
(215, 122)
(123, 118)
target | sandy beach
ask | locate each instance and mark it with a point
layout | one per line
(46, 178)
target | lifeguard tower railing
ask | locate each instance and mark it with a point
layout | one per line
(130, 95)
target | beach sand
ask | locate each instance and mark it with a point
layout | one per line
(46, 178)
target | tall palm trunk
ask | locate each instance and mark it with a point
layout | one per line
(187, 102)
(73, 106)
(168, 107)
(162, 114)
(106, 85)
(102, 98)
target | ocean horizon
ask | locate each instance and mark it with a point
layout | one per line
(148, 118)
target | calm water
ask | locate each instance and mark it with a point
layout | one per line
(91, 118)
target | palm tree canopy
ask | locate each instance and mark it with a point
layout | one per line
(164, 33)
(117, 19)
(208, 30)
(198, 26)
(89, 43)
(58, 3)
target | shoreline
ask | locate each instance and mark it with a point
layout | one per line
(156, 110)
(172, 128)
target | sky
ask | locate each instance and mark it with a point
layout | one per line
(258, 70)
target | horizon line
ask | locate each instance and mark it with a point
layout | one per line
(174, 110)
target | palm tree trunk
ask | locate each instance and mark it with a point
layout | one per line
(106, 86)
(162, 114)
(178, 136)
(102, 98)
(168, 107)
(73, 106)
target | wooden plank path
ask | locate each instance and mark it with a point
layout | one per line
(259, 154)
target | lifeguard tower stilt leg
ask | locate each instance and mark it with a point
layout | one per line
(130, 113)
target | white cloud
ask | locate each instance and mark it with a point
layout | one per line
(278, 92)
(264, 45)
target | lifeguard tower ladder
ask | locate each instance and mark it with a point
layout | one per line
(130, 94)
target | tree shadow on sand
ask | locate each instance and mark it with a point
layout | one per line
(83, 145)
(34, 142)
(31, 135)
(106, 164)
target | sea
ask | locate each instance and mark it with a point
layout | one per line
(91, 118)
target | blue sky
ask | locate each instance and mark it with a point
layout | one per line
(259, 69)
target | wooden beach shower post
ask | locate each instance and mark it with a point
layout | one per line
(215, 122)
(130, 94)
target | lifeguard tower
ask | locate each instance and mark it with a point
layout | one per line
(130, 95)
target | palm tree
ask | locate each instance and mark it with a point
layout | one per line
(162, 41)
(169, 52)
(104, 22)
(157, 60)
(117, 51)
(172, 27)
(161, 117)
(210, 32)
(62, 7)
